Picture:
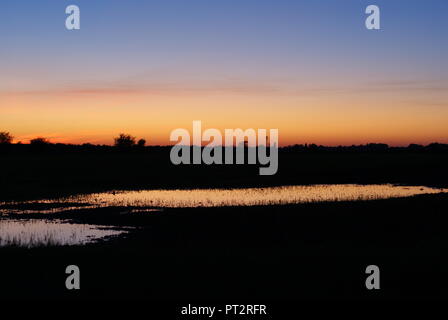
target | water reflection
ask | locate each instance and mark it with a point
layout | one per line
(34, 233)
(41, 206)
(252, 196)
(223, 197)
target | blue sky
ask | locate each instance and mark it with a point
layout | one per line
(122, 38)
(295, 47)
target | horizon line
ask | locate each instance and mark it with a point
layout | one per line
(306, 145)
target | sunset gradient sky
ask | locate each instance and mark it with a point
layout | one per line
(309, 68)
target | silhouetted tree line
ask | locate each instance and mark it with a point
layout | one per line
(370, 147)
(127, 143)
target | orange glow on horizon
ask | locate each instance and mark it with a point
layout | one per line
(334, 119)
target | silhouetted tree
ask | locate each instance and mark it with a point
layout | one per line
(141, 142)
(437, 147)
(124, 140)
(415, 147)
(39, 141)
(376, 147)
(5, 138)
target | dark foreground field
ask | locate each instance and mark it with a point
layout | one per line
(254, 254)
(29, 171)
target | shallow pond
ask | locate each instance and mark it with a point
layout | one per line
(41, 232)
(219, 197)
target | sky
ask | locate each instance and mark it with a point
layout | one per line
(309, 68)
